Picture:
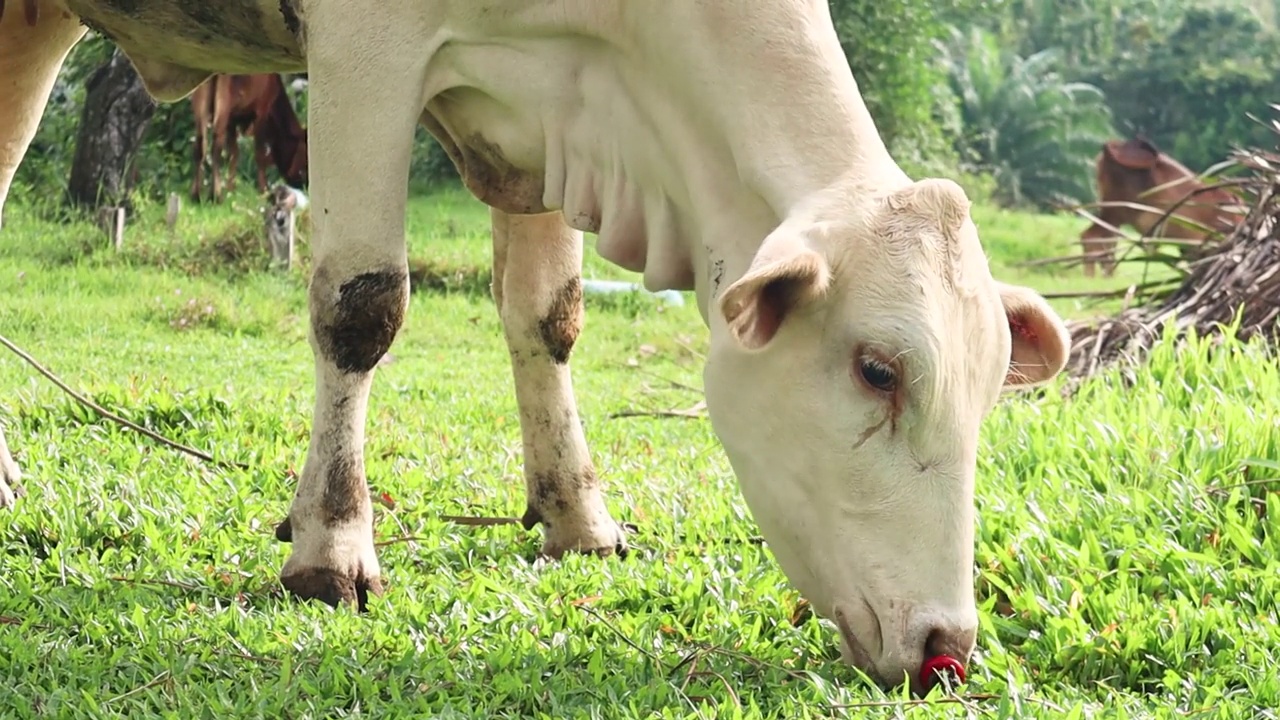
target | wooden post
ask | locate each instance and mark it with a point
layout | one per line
(111, 220)
(171, 212)
(117, 230)
(279, 220)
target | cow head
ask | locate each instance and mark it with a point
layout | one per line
(1136, 153)
(850, 369)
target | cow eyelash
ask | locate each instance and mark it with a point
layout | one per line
(878, 374)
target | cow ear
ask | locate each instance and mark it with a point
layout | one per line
(1135, 155)
(1041, 342)
(780, 280)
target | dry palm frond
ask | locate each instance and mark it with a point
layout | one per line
(1234, 284)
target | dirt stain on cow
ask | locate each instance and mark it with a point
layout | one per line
(345, 490)
(555, 490)
(365, 319)
(560, 326)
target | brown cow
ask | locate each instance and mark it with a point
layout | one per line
(254, 105)
(1136, 171)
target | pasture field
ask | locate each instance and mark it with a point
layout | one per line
(1128, 556)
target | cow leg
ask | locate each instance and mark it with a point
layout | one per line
(10, 490)
(357, 297)
(233, 158)
(30, 58)
(1099, 245)
(260, 158)
(1089, 261)
(537, 265)
(215, 158)
(222, 130)
(198, 151)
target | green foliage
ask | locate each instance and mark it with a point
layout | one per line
(163, 164)
(1126, 555)
(1035, 132)
(891, 48)
(1185, 73)
(1192, 91)
(1089, 34)
(430, 167)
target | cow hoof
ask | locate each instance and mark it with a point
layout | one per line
(602, 540)
(10, 490)
(9, 495)
(333, 588)
(335, 564)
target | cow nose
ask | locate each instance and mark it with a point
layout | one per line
(945, 651)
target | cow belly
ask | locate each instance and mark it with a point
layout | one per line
(556, 124)
(232, 36)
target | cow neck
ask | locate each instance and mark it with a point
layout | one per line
(803, 148)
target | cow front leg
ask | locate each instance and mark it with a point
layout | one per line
(1098, 245)
(358, 294)
(10, 476)
(31, 57)
(260, 159)
(215, 161)
(233, 159)
(537, 287)
(198, 155)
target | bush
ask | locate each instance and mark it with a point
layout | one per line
(891, 46)
(1192, 91)
(1033, 131)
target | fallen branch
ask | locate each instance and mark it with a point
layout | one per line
(160, 679)
(112, 416)
(149, 581)
(969, 699)
(696, 412)
(686, 414)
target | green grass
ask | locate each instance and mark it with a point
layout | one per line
(1127, 542)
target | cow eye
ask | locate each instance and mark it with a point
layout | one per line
(878, 374)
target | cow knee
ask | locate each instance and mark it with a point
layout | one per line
(561, 321)
(355, 318)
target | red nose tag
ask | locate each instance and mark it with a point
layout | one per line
(939, 665)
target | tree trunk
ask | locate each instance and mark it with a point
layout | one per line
(117, 112)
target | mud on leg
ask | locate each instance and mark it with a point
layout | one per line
(538, 290)
(358, 295)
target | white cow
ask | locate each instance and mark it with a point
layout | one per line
(857, 336)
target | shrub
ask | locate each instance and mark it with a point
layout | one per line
(1033, 131)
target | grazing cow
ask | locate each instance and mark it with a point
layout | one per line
(1135, 171)
(256, 105)
(857, 337)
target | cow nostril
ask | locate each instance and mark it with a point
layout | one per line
(942, 652)
(937, 667)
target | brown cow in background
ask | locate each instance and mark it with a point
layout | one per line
(255, 105)
(1128, 172)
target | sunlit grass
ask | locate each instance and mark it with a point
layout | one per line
(1127, 541)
